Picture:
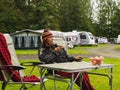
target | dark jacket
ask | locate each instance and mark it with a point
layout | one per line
(49, 55)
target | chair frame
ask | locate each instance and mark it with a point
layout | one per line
(15, 66)
(7, 81)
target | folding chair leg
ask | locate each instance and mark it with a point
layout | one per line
(23, 87)
(4, 85)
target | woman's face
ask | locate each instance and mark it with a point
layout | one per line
(49, 41)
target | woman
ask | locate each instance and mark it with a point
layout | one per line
(53, 53)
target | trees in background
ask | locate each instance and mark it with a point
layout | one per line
(64, 15)
(11, 17)
(115, 21)
(75, 15)
(108, 17)
(44, 15)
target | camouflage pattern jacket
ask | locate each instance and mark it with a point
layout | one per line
(49, 55)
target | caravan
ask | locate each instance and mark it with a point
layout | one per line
(80, 38)
(87, 38)
(71, 38)
(118, 39)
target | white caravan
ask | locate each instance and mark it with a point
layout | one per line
(87, 38)
(118, 39)
(72, 38)
(80, 38)
(102, 40)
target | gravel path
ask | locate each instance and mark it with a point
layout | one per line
(28, 57)
(106, 51)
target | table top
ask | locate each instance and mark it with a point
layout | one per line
(75, 66)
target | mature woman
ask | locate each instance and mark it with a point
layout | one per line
(53, 53)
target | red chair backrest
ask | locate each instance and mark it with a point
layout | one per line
(5, 59)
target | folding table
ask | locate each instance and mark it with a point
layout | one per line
(73, 67)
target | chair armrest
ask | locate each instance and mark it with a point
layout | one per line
(1, 68)
(13, 67)
(32, 63)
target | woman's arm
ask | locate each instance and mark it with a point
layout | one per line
(47, 56)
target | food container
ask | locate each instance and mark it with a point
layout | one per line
(98, 60)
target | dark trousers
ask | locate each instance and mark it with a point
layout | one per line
(85, 83)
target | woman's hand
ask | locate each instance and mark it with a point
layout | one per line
(58, 49)
(78, 58)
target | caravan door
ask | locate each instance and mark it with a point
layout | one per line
(83, 38)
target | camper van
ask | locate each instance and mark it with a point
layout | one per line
(80, 38)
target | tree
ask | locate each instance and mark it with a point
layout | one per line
(115, 21)
(106, 11)
(45, 15)
(75, 15)
(10, 18)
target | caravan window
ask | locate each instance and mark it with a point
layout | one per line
(34, 41)
(15, 41)
(22, 41)
(82, 36)
(19, 41)
(38, 41)
(68, 39)
(91, 36)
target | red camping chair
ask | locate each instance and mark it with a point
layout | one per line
(10, 68)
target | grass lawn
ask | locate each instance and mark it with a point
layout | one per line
(75, 50)
(99, 82)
